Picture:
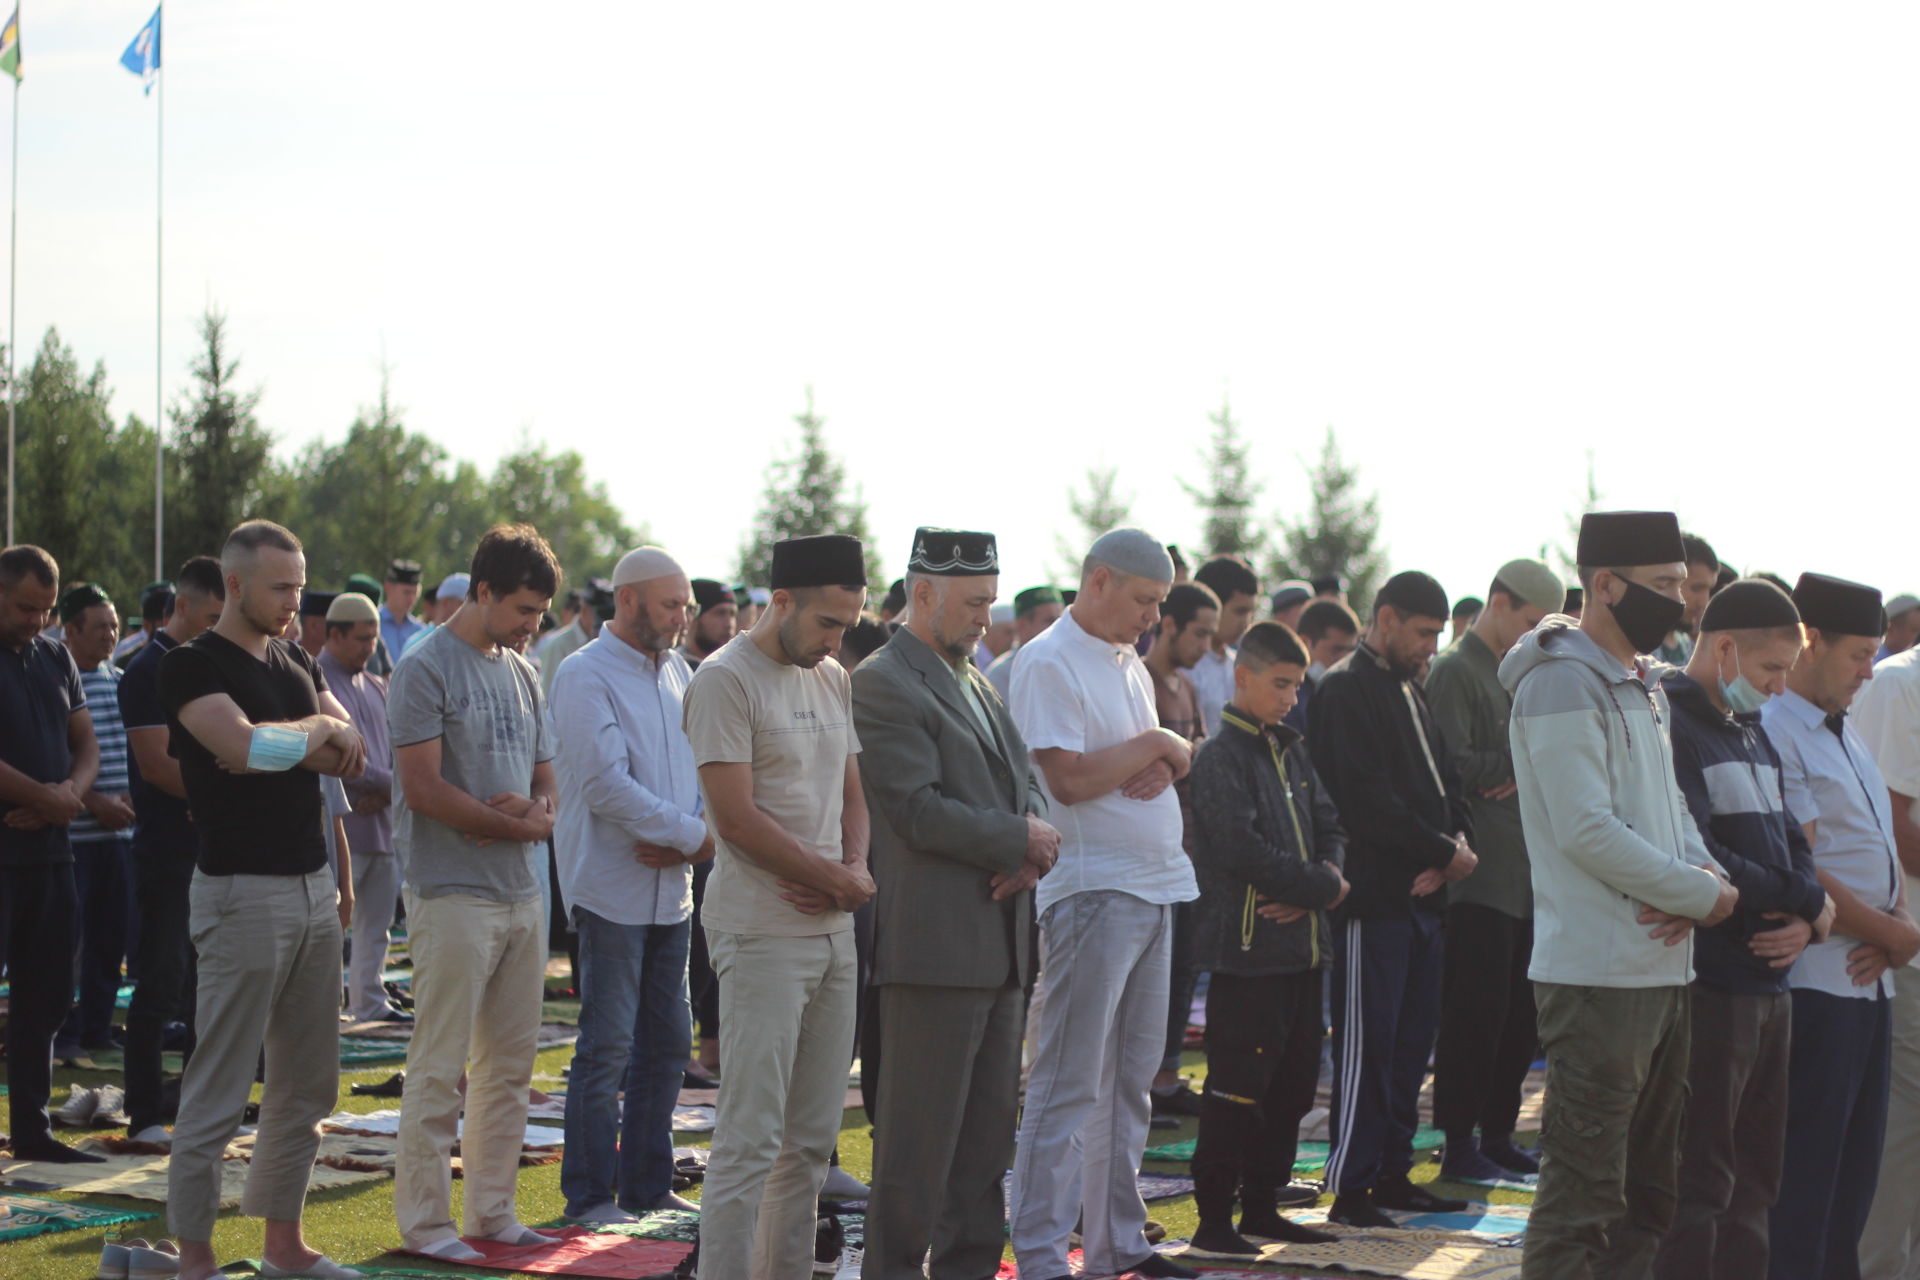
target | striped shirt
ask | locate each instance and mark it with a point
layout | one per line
(101, 686)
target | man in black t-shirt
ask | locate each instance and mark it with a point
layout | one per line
(48, 760)
(165, 847)
(252, 724)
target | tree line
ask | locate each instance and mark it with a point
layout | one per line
(84, 487)
(84, 483)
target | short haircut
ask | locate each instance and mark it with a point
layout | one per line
(202, 574)
(1587, 572)
(1697, 550)
(1497, 588)
(1266, 643)
(1227, 577)
(27, 560)
(864, 638)
(343, 625)
(1322, 616)
(513, 557)
(1468, 606)
(156, 603)
(1762, 635)
(253, 535)
(1184, 603)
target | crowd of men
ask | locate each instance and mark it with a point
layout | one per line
(1660, 825)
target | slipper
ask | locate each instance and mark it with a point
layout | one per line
(393, 1086)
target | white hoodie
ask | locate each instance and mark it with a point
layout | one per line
(1607, 830)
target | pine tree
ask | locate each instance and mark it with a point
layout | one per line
(1230, 494)
(1340, 533)
(1569, 566)
(1098, 510)
(806, 495)
(220, 467)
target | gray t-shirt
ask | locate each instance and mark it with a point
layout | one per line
(486, 710)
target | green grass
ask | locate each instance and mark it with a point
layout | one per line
(356, 1223)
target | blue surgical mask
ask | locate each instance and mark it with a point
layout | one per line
(275, 748)
(1741, 696)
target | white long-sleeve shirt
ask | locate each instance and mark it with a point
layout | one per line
(626, 775)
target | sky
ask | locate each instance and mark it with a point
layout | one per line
(1006, 243)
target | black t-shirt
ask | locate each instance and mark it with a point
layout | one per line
(261, 824)
(39, 692)
(164, 826)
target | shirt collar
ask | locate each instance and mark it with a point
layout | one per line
(1802, 710)
(1114, 653)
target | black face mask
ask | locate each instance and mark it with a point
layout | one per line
(1646, 617)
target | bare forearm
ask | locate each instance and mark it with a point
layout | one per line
(1853, 918)
(855, 833)
(1074, 778)
(86, 766)
(1906, 832)
(434, 797)
(771, 847)
(17, 788)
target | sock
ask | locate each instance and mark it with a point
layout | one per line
(518, 1233)
(452, 1249)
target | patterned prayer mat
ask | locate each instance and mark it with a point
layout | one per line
(574, 1251)
(1312, 1155)
(141, 1176)
(24, 1216)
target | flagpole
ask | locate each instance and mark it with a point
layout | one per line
(13, 274)
(159, 263)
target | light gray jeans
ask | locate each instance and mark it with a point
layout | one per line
(376, 883)
(269, 972)
(1098, 1038)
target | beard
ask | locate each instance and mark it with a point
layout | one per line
(796, 653)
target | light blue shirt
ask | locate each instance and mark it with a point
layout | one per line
(1831, 779)
(399, 632)
(627, 774)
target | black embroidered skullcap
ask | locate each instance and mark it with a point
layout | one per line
(1413, 594)
(1628, 538)
(825, 560)
(953, 553)
(1835, 606)
(313, 604)
(707, 593)
(403, 571)
(1749, 604)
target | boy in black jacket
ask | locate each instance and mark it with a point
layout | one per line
(1267, 856)
(1408, 828)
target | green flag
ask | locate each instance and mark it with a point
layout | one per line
(10, 45)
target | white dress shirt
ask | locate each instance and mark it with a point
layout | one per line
(626, 775)
(1886, 711)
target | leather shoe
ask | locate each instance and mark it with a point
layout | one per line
(1398, 1193)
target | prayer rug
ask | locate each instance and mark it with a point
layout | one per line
(1312, 1156)
(386, 1123)
(574, 1251)
(144, 1177)
(1409, 1255)
(1497, 1223)
(24, 1216)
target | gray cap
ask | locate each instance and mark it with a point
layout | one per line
(1902, 603)
(1134, 552)
(1533, 582)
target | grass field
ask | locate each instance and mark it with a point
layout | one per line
(355, 1224)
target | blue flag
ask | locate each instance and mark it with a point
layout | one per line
(143, 55)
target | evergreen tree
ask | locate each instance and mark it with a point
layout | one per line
(1230, 495)
(220, 470)
(806, 495)
(1100, 509)
(551, 492)
(1339, 534)
(1559, 552)
(73, 468)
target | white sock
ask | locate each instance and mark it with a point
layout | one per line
(520, 1234)
(452, 1249)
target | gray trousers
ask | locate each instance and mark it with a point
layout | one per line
(376, 884)
(1098, 1036)
(269, 971)
(949, 1097)
(1890, 1248)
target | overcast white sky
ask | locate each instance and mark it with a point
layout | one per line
(1005, 242)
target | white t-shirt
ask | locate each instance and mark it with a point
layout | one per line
(795, 727)
(1886, 711)
(1213, 686)
(1075, 692)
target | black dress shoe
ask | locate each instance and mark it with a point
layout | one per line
(1510, 1157)
(53, 1151)
(1356, 1209)
(393, 1086)
(1398, 1193)
(1297, 1195)
(1159, 1264)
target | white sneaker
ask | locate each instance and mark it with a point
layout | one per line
(113, 1259)
(850, 1265)
(77, 1111)
(109, 1107)
(157, 1134)
(158, 1261)
(841, 1185)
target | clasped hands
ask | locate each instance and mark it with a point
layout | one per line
(1458, 868)
(532, 817)
(57, 804)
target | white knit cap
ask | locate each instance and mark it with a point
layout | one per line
(643, 564)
